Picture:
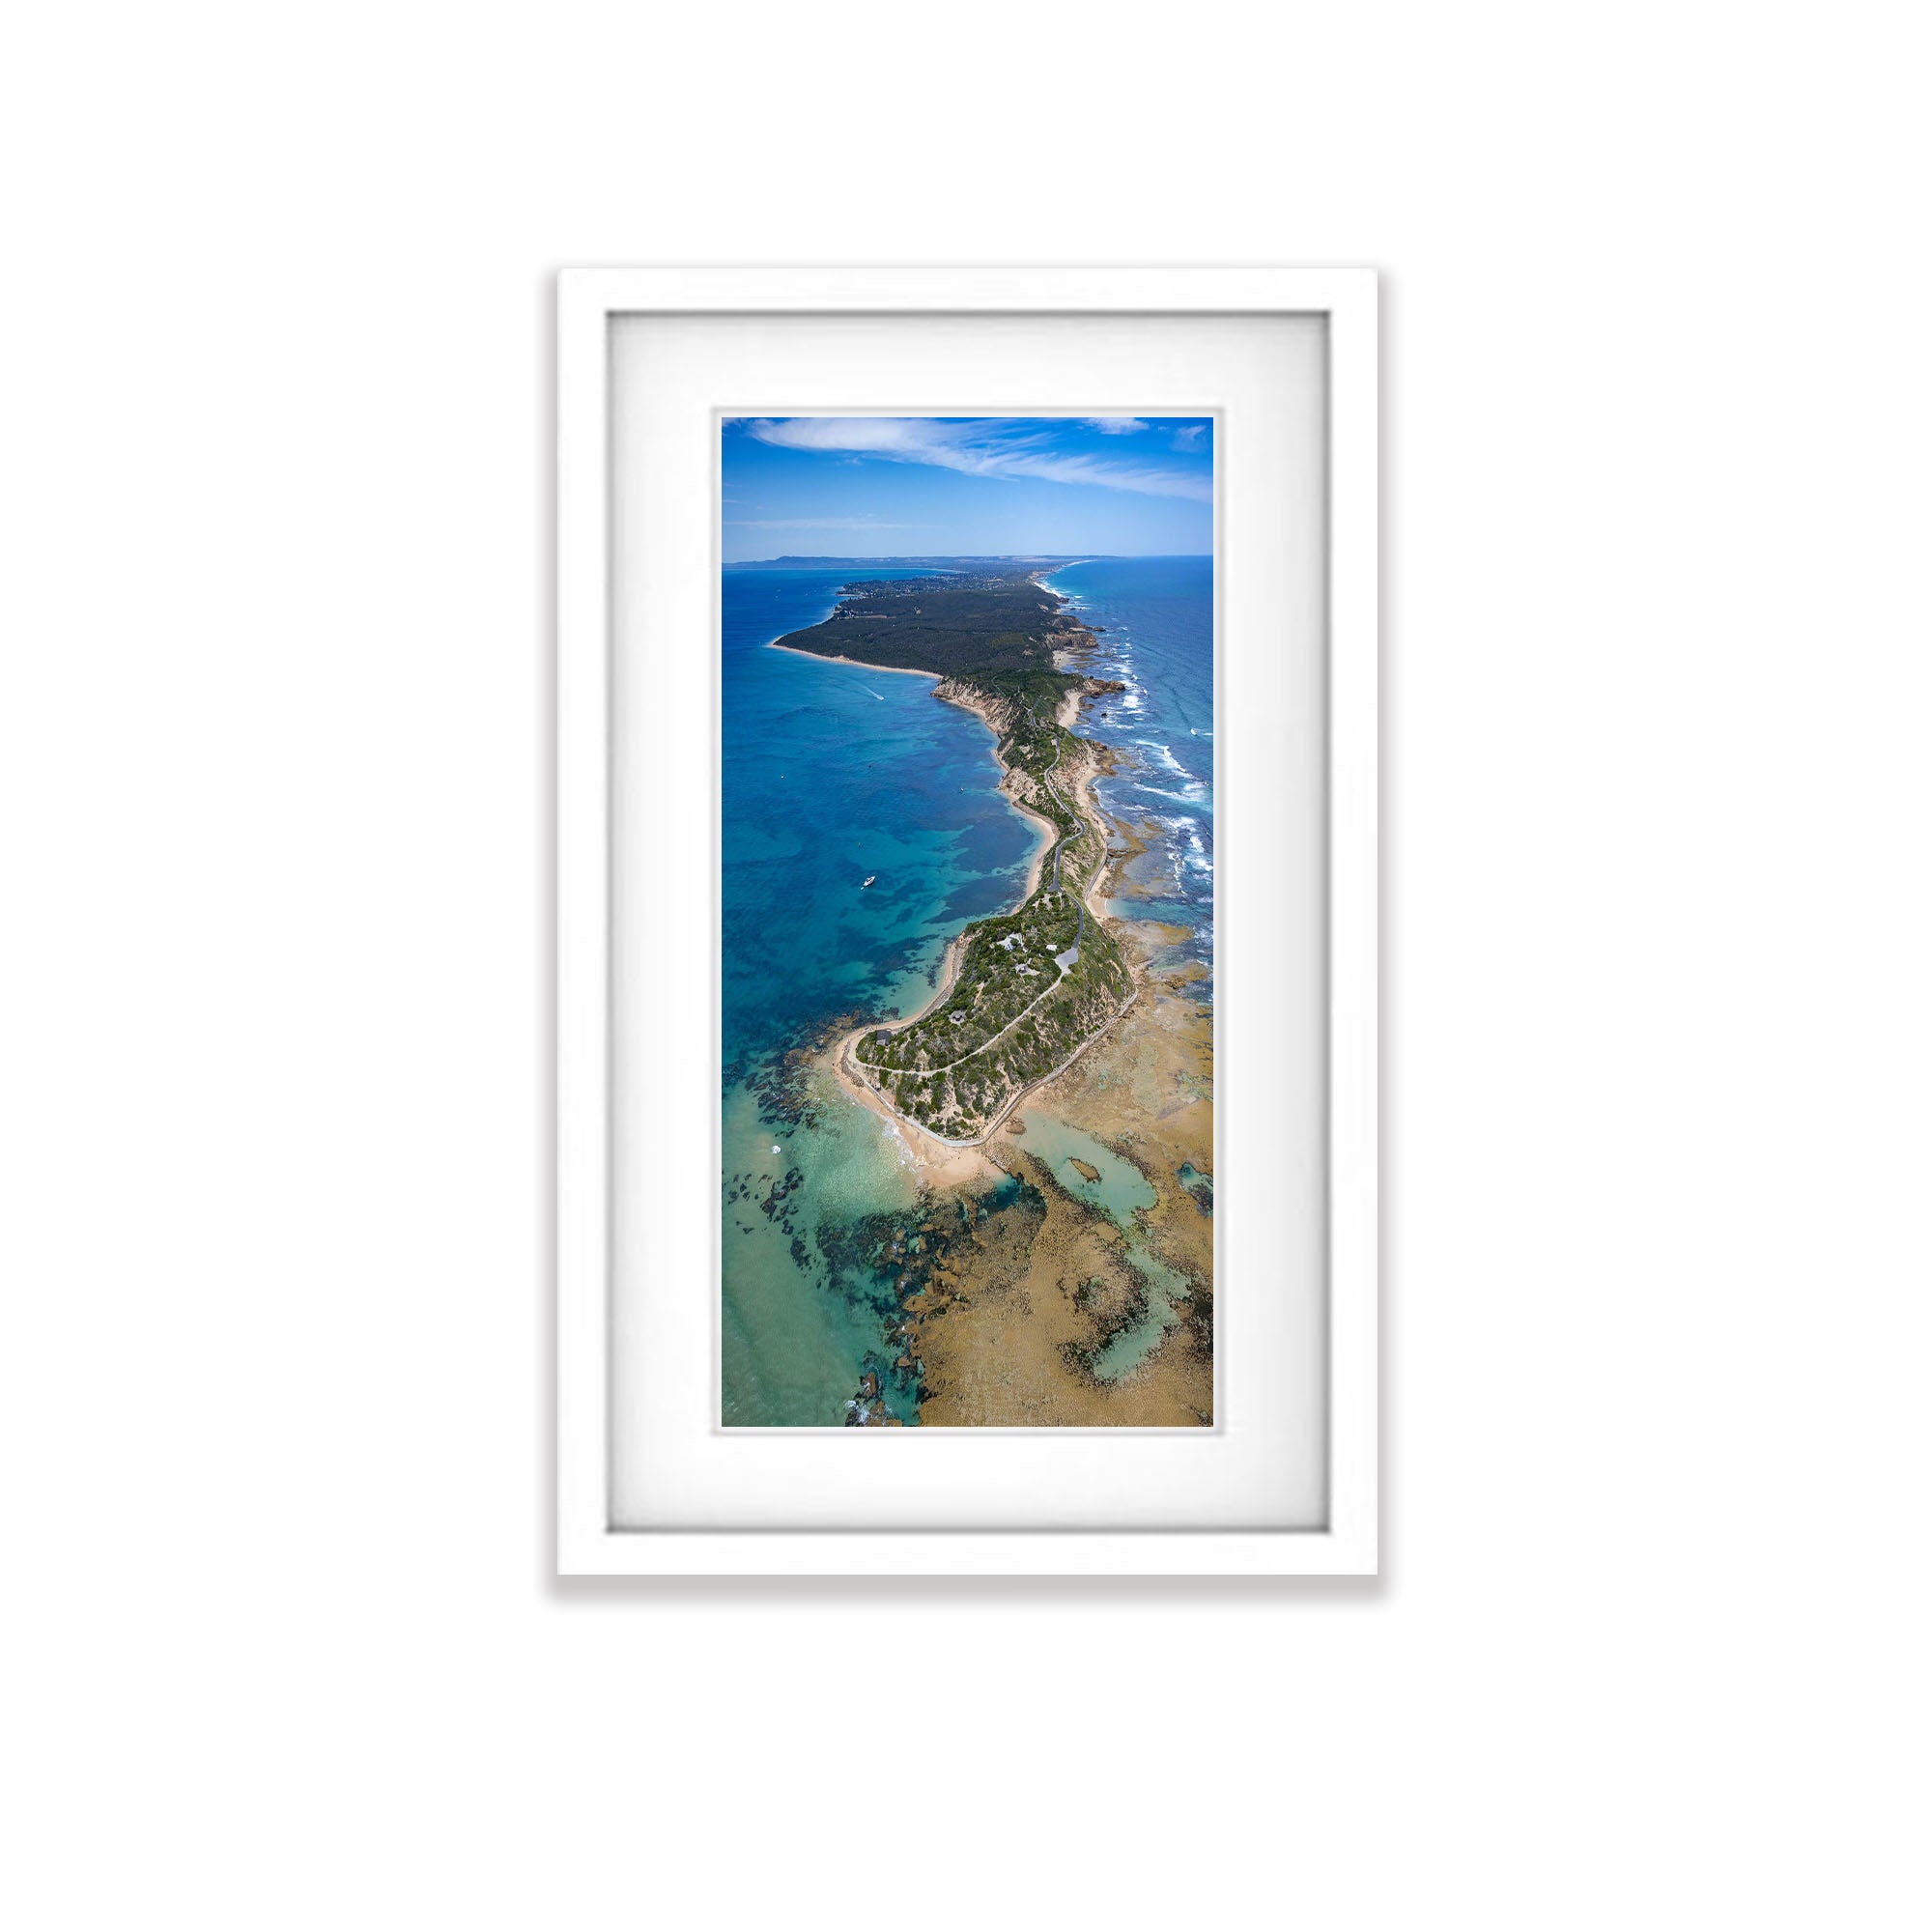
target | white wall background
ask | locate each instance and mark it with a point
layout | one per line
(278, 1645)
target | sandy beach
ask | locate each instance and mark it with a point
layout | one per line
(933, 1154)
(1004, 1334)
(1012, 1314)
(1004, 1316)
(937, 1163)
(1006, 1320)
(968, 701)
(859, 663)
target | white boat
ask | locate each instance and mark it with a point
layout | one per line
(869, 881)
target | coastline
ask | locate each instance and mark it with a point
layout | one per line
(941, 1159)
(939, 1163)
(828, 658)
(869, 1096)
(1009, 1336)
(844, 1066)
(983, 712)
(1069, 710)
(1005, 1341)
(943, 1162)
(1058, 1266)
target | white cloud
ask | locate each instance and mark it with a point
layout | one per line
(987, 446)
(1190, 436)
(818, 524)
(1114, 425)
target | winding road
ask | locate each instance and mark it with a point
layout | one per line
(865, 1069)
(1066, 960)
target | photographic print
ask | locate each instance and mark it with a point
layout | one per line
(968, 925)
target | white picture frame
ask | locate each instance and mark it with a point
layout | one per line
(588, 303)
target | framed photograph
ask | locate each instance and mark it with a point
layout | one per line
(967, 922)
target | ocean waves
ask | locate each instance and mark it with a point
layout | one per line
(1157, 638)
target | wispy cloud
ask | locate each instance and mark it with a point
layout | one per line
(818, 524)
(1114, 425)
(986, 446)
(1190, 437)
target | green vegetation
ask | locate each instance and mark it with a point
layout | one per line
(976, 621)
(1034, 984)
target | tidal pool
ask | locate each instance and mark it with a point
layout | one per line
(1118, 1188)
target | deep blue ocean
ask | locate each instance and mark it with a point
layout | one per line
(1157, 619)
(835, 773)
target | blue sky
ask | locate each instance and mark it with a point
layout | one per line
(976, 486)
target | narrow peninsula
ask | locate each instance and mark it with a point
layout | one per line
(1024, 993)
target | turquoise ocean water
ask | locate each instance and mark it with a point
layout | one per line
(835, 773)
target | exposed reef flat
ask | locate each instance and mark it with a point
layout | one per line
(1054, 1099)
(1012, 1333)
(1016, 1324)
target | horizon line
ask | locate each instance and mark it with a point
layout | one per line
(970, 556)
